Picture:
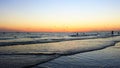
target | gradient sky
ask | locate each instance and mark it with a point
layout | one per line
(59, 15)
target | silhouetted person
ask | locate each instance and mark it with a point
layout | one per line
(118, 33)
(112, 33)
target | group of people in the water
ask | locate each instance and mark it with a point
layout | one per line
(112, 33)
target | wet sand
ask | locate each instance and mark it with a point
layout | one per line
(105, 58)
(24, 61)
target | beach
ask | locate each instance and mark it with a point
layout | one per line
(71, 52)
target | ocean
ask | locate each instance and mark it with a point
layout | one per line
(30, 49)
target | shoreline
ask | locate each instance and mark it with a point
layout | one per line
(46, 41)
(85, 57)
(60, 55)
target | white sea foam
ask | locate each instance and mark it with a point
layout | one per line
(21, 41)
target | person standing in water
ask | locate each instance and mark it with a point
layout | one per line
(112, 33)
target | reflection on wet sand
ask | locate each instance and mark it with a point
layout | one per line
(105, 58)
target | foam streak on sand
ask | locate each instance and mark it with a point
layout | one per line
(57, 48)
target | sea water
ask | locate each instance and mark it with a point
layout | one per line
(17, 38)
(26, 49)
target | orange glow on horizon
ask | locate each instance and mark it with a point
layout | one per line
(60, 29)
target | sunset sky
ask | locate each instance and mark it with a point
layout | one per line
(59, 15)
